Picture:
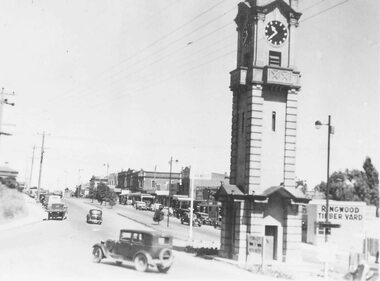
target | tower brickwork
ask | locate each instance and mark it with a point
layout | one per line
(265, 86)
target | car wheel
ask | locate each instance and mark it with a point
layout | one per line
(119, 263)
(97, 254)
(181, 221)
(163, 269)
(141, 263)
(48, 217)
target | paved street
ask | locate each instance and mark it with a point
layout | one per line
(206, 235)
(61, 250)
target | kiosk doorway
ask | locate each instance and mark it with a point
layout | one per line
(270, 242)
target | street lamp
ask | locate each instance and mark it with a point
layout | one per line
(170, 182)
(330, 131)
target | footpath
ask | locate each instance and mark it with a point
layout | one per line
(34, 214)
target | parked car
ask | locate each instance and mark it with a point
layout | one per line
(94, 216)
(179, 212)
(57, 210)
(144, 247)
(141, 205)
(186, 219)
(204, 218)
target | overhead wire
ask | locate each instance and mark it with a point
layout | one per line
(175, 52)
(325, 10)
(199, 66)
(163, 49)
(121, 62)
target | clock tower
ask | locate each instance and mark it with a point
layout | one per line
(261, 200)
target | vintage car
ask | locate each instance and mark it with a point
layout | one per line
(141, 205)
(186, 219)
(57, 210)
(94, 216)
(143, 247)
(204, 218)
(179, 212)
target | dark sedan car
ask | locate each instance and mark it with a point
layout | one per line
(143, 247)
(94, 216)
(186, 219)
(58, 210)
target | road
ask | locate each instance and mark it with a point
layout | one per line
(205, 235)
(61, 250)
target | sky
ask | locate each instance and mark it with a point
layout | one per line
(133, 83)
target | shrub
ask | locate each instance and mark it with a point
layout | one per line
(12, 203)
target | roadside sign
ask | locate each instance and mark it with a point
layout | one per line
(201, 176)
(255, 250)
(328, 225)
(255, 244)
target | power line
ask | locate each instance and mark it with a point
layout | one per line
(133, 73)
(176, 29)
(158, 40)
(171, 54)
(167, 79)
(319, 13)
(325, 10)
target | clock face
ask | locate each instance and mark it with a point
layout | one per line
(276, 32)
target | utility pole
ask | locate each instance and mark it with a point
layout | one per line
(170, 182)
(31, 168)
(65, 179)
(41, 160)
(2, 102)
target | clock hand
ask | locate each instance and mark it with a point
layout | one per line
(273, 34)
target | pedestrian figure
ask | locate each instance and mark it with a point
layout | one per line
(158, 215)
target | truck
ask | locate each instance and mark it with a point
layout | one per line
(52, 199)
(57, 210)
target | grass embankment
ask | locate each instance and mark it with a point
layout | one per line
(12, 204)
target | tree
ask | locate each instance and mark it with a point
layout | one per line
(354, 185)
(101, 192)
(105, 194)
(302, 186)
(111, 197)
(372, 180)
(9, 182)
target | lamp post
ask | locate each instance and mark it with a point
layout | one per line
(170, 182)
(330, 131)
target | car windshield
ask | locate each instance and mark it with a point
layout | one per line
(96, 212)
(57, 206)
